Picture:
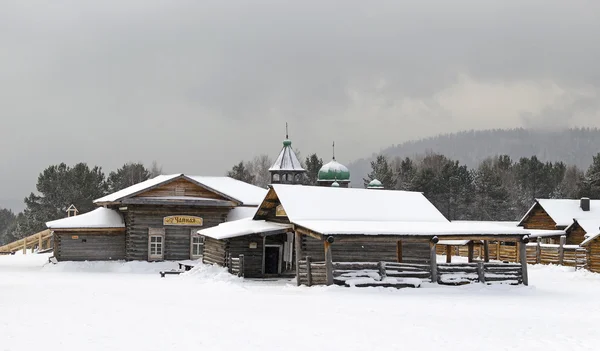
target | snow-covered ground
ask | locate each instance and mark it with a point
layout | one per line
(118, 306)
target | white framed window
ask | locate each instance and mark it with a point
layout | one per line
(196, 244)
(156, 243)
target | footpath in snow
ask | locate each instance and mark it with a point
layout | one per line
(126, 305)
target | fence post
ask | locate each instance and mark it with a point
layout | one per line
(40, 242)
(328, 260)
(470, 254)
(523, 254)
(308, 272)
(24, 246)
(480, 272)
(538, 251)
(433, 259)
(381, 267)
(561, 249)
(486, 251)
(297, 243)
(241, 266)
(448, 254)
(498, 250)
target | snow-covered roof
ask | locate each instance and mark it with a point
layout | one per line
(563, 211)
(98, 218)
(245, 193)
(453, 242)
(510, 224)
(136, 188)
(350, 204)
(347, 227)
(544, 233)
(240, 212)
(287, 159)
(243, 227)
(592, 229)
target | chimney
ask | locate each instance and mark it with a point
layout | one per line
(585, 204)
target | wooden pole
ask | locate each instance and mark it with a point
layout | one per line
(399, 251)
(381, 267)
(480, 272)
(297, 243)
(241, 265)
(40, 242)
(523, 254)
(518, 252)
(448, 254)
(470, 246)
(433, 262)
(24, 246)
(561, 250)
(264, 252)
(498, 250)
(538, 251)
(486, 251)
(308, 272)
(328, 262)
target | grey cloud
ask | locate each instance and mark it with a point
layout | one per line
(214, 81)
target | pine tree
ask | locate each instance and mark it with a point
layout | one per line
(7, 220)
(129, 174)
(491, 198)
(382, 171)
(405, 173)
(313, 165)
(59, 187)
(241, 172)
(155, 170)
(590, 186)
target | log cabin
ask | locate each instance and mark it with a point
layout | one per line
(591, 242)
(561, 214)
(339, 224)
(154, 220)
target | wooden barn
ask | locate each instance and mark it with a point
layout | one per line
(154, 220)
(561, 214)
(591, 242)
(296, 224)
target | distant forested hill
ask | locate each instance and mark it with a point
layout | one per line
(573, 146)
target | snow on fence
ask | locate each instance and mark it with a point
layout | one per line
(394, 274)
(235, 265)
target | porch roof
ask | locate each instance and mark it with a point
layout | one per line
(404, 228)
(244, 227)
(98, 218)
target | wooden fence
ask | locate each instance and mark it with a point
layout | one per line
(235, 265)
(41, 240)
(314, 273)
(537, 253)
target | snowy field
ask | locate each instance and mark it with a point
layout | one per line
(127, 306)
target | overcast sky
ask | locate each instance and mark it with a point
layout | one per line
(199, 85)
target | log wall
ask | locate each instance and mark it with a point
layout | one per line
(366, 250)
(177, 238)
(539, 219)
(89, 246)
(181, 187)
(215, 251)
(593, 255)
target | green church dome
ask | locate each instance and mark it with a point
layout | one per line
(375, 184)
(334, 171)
(287, 142)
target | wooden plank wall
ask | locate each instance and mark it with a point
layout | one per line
(576, 236)
(215, 251)
(539, 219)
(177, 238)
(89, 246)
(593, 256)
(366, 250)
(252, 257)
(189, 189)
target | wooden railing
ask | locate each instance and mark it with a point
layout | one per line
(537, 253)
(41, 240)
(314, 273)
(235, 265)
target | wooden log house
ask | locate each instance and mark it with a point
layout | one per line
(333, 225)
(561, 214)
(154, 220)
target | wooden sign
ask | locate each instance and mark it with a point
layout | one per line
(253, 245)
(183, 220)
(74, 237)
(280, 212)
